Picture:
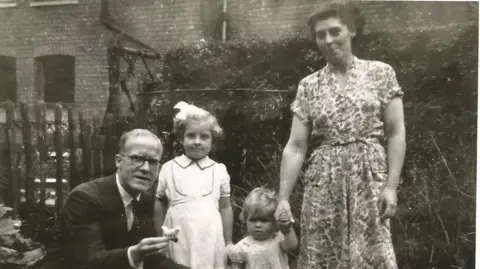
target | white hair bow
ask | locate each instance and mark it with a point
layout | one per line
(183, 109)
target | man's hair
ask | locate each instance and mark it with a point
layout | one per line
(135, 133)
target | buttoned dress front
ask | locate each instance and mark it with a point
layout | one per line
(193, 189)
(347, 168)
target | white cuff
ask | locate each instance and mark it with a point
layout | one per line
(130, 260)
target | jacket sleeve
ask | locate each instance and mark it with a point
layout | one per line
(81, 217)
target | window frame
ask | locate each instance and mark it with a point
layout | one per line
(53, 3)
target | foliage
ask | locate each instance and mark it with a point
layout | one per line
(15, 251)
(435, 224)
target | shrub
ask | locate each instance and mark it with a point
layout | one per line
(435, 224)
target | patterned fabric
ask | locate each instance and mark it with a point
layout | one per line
(347, 168)
(193, 190)
(136, 220)
(255, 254)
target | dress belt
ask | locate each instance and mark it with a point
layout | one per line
(369, 142)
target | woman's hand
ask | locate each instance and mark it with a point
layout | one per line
(387, 202)
(283, 212)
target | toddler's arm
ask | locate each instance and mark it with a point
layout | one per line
(290, 241)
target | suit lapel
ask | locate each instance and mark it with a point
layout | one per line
(113, 203)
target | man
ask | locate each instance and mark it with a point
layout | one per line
(108, 222)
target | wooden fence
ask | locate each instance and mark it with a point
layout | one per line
(39, 136)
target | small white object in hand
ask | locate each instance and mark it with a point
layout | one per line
(171, 233)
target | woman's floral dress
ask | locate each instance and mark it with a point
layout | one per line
(347, 169)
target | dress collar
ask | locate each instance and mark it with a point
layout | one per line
(184, 162)
(126, 197)
(329, 67)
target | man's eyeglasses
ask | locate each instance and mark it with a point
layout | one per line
(138, 161)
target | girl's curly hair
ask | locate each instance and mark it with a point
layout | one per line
(260, 201)
(200, 115)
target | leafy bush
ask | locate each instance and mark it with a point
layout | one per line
(16, 252)
(435, 224)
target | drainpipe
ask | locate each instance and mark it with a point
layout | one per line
(224, 24)
(110, 24)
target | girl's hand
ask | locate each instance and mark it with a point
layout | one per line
(387, 202)
(283, 212)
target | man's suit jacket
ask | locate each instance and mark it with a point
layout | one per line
(93, 233)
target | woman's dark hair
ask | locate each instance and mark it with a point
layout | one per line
(346, 11)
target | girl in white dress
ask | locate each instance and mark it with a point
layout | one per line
(264, 247)
(193, 194)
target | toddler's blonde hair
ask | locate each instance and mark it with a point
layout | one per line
(259, 202)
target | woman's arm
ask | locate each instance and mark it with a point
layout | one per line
(159, 211)
(293, 158)
(395, 132)
(292, 162)
(225, 208)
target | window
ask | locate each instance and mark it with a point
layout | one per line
(55, 78)
(8, 79)
(8, 3)
(40, 3)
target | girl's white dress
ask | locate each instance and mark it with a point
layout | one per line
(193, 189)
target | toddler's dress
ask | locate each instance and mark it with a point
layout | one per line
(267, 254)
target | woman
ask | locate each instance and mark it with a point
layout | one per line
(346, 110)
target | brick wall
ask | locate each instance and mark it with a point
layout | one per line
(28, 32)
(272, 19)
(160, 23)
(166, 23)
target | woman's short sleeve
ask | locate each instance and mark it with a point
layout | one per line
(162, 184)
(224, 180)
(300, 105)
(390, 88)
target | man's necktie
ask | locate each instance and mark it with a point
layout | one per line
(136, 220)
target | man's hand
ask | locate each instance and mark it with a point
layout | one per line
(149, 246)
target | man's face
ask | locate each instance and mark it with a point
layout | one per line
(139, 164)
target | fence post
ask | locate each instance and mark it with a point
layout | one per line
(27, 143)
(86, 141)
(58, 159)
(13, 184)
(96, 145)
(111, 144)
(72, 137)
(40, 109)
